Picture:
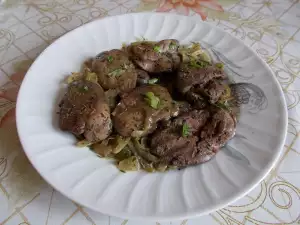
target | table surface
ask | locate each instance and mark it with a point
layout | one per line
(270, 27)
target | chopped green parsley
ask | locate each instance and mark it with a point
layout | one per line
(152, 100)
(198, 64)
(153, 81)
(110, 58)
(185, 130)
(219, 65)
(156, 49)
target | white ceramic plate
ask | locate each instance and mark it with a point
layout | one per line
(96, 183)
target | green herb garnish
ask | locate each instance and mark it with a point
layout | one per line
(198, 64)
(152, 100)
(119, 71)
(110, 58)
(224, 106)
(83, 88)
(153, 81)
(219, 65)
(156, 49)
(116, 72)
(185, 130)
(204, 57)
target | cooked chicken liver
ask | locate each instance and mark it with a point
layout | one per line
(171, 138)
(83, 110)
(115, 70)
(205, 138)
(155, 57)
(194, 119)
(220, 128)
(213, 90)
(190, 76)
(168, 141)
(202, 153)
(196, 100)
(134, 113)
(138, 83)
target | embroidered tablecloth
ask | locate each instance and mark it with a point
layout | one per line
(270, 27)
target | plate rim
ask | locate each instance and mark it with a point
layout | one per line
(177, 216)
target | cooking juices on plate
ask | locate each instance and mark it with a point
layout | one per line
(151, 106)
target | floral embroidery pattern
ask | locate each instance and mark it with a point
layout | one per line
(185, 6)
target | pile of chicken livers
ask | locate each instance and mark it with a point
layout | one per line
(150, 105)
